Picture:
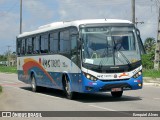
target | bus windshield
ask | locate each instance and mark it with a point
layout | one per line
(109, 46)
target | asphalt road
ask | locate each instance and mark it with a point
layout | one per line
(17, 96)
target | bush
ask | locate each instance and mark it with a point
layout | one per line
(8, 69)
(148, 61)
(151, 73)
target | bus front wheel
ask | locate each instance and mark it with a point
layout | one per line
(67, 89)
(117, 94)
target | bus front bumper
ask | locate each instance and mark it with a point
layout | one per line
(104, 86)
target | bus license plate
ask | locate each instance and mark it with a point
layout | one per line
(116, 89)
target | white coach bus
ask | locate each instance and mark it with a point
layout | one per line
(84, 56)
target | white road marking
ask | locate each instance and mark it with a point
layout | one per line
(49, 96)
(156, 98)
(7, 82)
(109, 109)
(27, 85)
(41, 94)
(102, 108)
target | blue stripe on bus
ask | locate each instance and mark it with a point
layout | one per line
(78, 81)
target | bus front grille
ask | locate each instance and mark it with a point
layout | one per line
(108, 87)
(114, 80)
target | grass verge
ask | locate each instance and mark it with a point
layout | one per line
(146, 72)
(151, 73)
(8, 69)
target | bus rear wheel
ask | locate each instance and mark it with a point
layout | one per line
(33, 84)
(117, 94)
(67, 89)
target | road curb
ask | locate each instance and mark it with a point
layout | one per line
(151, 81)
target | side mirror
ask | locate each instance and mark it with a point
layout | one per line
(138, 33)
(141, 47)
(79, 43)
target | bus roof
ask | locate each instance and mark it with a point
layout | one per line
(58, 25)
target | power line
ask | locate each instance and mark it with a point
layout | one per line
(138, 22)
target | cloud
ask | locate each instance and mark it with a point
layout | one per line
(82, 9)
(2, 1)
(37, 13)
(115, 9)
(40, 12)
(148, 14)
(8, 31)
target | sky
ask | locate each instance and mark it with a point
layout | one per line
(40, 12)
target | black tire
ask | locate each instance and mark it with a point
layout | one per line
(67, 89)
(117, 94)
(33, 84)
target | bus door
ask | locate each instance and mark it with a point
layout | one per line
(75, 63)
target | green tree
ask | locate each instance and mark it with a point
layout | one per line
(149, 45)
(3, 58)
(147, 59)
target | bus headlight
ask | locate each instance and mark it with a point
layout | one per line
(90, 77)
(140, 73)
(137, 74)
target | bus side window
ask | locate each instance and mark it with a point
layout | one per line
(75, 57)
(64, 42)
(44, 43)
(35, 43)
(23, 47)
(74, 49)
(49, 42)
(19, 42)
(54, 42)
(29, 45)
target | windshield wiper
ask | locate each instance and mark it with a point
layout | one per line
(105, 53)
(119, 59)
(126, 59)
(118, 50)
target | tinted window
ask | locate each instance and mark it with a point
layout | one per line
(44, 43)
(29, 46)
(35, 45)
(19, 42)
(73, 31)
(23, 47)
(54, 42)
(74, 49)
(64, 41)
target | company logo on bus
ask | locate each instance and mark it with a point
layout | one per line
(123, 75)
(50, 63)
(115, 75)
(104, 76)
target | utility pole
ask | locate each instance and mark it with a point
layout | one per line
(20, 16)
(157, 50)
(133, 11)
(8, 56)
